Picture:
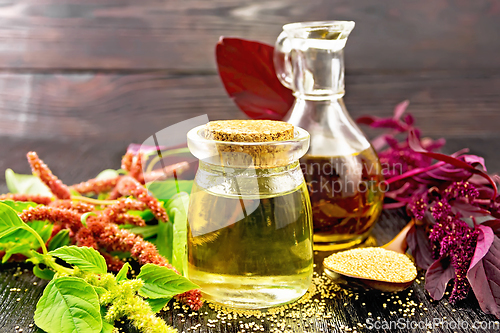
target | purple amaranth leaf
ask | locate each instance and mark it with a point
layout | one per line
(433, 145)
(400, 109)
(246, 69)
(414, 144)
(420, 247)
(444, 173)
(437, 278)
(484, 272)
(379, 142)
(494, 225)
(484, 242)
(466, 210)
(389, 123)
(377, 122)
(474, 160)
(391, 141)
(414, 172)
(394, 205)
(409, 120)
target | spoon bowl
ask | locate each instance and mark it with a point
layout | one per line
(397, 244)
(366, 284)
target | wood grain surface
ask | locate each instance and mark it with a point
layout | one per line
(80, 80)
(180, 35)
(131, 107)
(18, 306)
(74, 162)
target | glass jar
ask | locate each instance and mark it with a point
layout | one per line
(342, 170)
(249, 221)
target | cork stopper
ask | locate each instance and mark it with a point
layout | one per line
(250, 142)
(259, 144)
(249, 130)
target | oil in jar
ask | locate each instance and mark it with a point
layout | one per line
(250, 252)
(346, 197)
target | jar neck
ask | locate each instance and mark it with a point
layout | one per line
(249, 171)
(249, 182)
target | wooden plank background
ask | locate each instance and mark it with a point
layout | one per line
(180, 35)
(121, 70)
(103, 73)
(80, 79)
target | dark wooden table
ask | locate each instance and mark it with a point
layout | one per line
(80, 80)
(77, 162)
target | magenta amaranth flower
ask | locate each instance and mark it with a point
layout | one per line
(462, 189)
(453, 238)
(441, 211)
(418, 208)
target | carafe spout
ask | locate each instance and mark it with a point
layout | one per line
(309, 58)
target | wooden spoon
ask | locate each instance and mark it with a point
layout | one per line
(397, 244)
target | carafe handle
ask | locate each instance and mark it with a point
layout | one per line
(282, 63)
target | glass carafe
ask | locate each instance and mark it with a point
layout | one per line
(342, 169)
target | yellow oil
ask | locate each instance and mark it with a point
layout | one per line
(346, 193)
(251, 252)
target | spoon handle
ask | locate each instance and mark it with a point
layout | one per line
(398, 243)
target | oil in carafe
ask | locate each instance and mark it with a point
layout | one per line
(346, 197)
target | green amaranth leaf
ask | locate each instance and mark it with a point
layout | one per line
(37, 258)
(9, 221)
(74, 192)
(122, 274)
(59, 240)
(25, 184)
(107, 327)
(69, 305)
(177, 208)
(22, 241)
(107, 174)
(43, 228)
(16, 249)
(25, 236)
(157, 304)
(146, 215)
(19, 206)
(165, 190)
(85, 216)
(147, 231)
(46, 274)
(100, 290)
(161, 282)
(152, 240)
(164, 241)
(85, 258)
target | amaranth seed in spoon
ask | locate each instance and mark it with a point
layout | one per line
(373, 263)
